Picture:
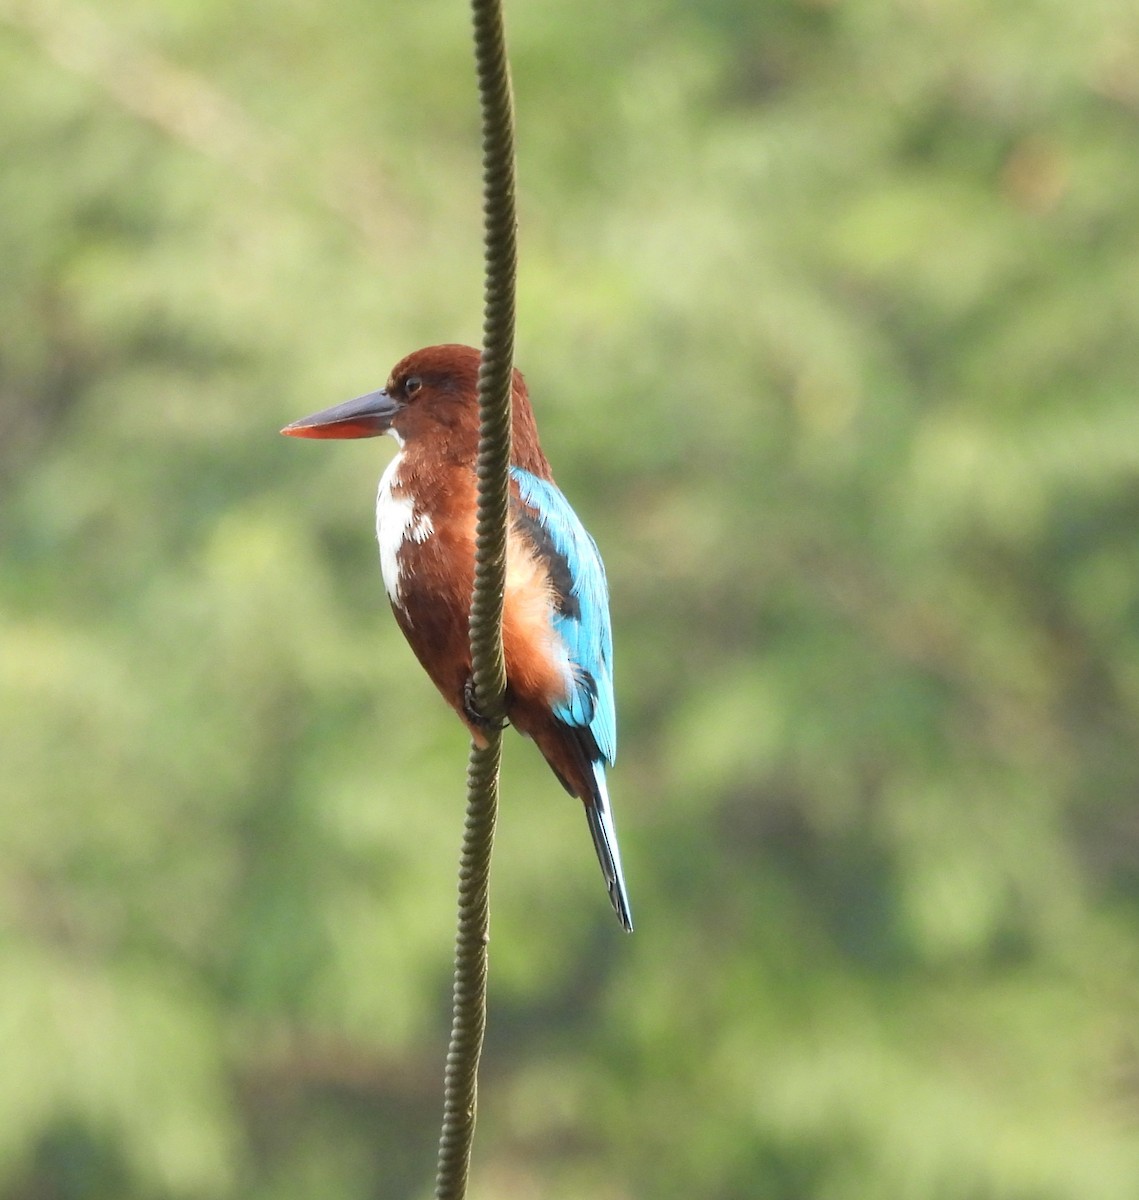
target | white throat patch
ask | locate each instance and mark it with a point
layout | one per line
(396, 522)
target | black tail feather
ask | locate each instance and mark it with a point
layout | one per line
(605, 843)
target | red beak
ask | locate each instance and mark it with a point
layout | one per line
(366, 416)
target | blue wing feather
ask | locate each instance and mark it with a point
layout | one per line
(582, 619)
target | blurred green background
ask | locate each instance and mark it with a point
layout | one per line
(830, 313)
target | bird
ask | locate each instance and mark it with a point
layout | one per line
(556, 632)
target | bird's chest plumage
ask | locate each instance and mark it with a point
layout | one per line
(425, 526)
(405, 530)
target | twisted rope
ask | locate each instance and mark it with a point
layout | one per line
(488, 667)
(497, 365)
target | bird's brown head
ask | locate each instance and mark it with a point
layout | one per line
(431, 397)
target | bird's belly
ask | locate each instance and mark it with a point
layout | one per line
(428, 573)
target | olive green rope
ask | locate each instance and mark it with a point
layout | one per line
(496, 368)
(488, 667)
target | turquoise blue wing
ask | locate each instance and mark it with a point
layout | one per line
(581, 610)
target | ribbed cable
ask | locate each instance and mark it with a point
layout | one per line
(488, 667)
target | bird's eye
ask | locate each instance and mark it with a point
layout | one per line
(411, 385)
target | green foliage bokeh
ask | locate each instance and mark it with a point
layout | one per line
(830, 313)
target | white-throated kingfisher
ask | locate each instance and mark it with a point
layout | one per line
(555, 624)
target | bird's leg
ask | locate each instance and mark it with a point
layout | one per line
(477, 719)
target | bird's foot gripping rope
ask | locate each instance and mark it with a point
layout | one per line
(475, 716)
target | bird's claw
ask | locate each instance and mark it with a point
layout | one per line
(475, 717)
